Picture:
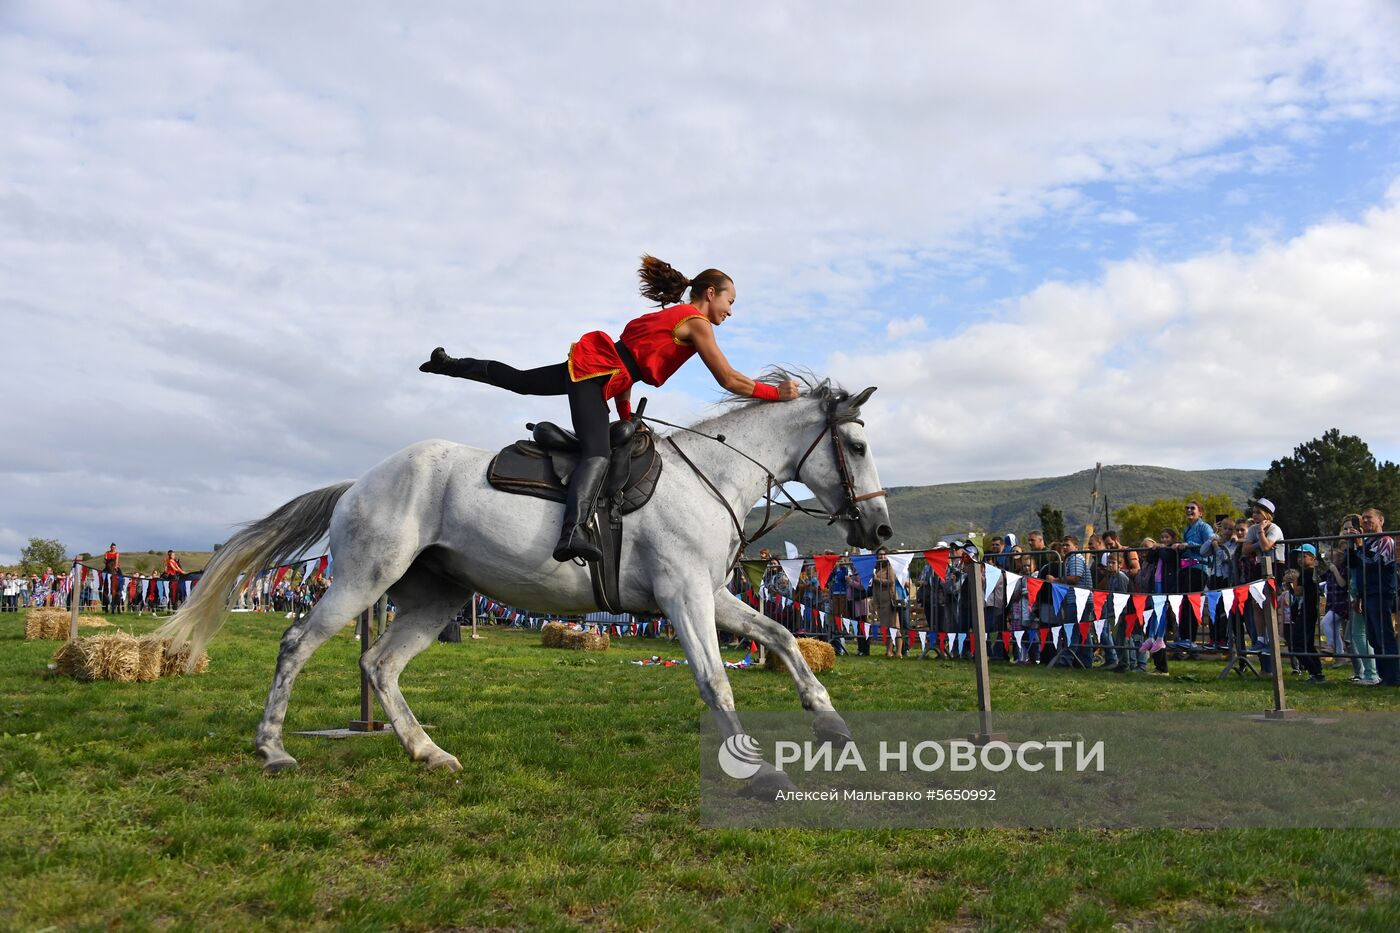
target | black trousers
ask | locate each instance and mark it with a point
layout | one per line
(586, 405)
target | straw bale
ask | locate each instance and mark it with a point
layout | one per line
(112, 656)
(122, 657)
(559, 635)
(819, 655)
(152, 659)
(173, 665)
(68, 660)
(49, 623)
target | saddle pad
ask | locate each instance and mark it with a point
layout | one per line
(524, 468)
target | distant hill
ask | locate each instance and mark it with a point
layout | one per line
(923, 515)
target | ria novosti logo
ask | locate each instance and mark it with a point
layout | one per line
(740, 756)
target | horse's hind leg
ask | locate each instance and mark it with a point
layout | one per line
(424, 603)
(341, 603)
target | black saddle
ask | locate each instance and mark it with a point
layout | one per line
(540, 467)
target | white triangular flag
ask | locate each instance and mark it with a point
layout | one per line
(1158, 604)
(1082, 601)
(1256, 589)
(1098, 628)
(899, 563)
(993, 578)
(1055, 635)
(1019, 636)
(1175, 602)
(792, 551)
(1227, 600)
(923, 639)
(1013, 580)
(1120, 602)
(793, 569)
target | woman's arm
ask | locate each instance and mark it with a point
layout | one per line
(700, 334)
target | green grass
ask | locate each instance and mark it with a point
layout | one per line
(140, 806)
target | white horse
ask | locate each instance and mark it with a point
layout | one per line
(425, 526)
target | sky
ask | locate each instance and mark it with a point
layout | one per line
(1051, 234)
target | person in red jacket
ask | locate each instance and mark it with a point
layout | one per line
(599, 368)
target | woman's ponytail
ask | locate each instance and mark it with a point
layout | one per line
(662, 284)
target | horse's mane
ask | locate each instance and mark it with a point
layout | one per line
(812, 386)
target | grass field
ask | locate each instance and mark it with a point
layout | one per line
(140, 806)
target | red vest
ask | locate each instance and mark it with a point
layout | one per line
(652, 340)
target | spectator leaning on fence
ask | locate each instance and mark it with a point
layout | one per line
(1373, 561)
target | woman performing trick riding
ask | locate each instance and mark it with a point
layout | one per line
(598, 368)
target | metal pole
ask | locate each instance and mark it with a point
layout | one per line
(1280, 710)
(474, 634)
(75, 589)
(366, 722)
(979, 660)
(381, 616)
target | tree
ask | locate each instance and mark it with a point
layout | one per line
(1147, 521)
(42, 554)
(1326, 478)
(1052, 522)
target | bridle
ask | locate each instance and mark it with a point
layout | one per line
(849, 511)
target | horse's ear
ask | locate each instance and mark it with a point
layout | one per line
(861, 397)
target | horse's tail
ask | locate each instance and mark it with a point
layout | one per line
(265, 543)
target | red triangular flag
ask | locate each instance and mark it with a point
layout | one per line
(1044, 634)
(1033, 586)
(1006, 642)
(1099, 599)
(1083, 632)
(825, 564)
(1140, 605)
(942, 641)
(938, 562)
(1272, 586)
(1195, 600)
(753, 647)
(1132, 624)
(1242, 594)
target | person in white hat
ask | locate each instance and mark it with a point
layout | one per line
(1264, 536)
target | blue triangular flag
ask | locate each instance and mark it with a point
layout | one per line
(865, 566)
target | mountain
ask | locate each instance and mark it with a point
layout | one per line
(923, 515)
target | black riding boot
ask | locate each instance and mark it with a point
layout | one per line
(584, 484)
(463, 367)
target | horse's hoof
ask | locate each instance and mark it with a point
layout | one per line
(442, 762)
(278, 765)
(767, 783)
(829, 727)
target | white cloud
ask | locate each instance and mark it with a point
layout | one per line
(1224, 359)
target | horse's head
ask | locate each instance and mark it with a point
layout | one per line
(840, 467)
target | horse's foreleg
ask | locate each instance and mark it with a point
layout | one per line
(425, 605)
(692, 614)
(734, 615)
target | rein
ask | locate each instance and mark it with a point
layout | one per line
(848, 512)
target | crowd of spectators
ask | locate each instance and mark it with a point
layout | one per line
(1335, 596)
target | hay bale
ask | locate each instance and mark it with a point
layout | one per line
(152, 659)
(173, 665)
(49, 623)
(819, 655)
(68, 660)
(123, 658)
(113, 656)
(559, 635)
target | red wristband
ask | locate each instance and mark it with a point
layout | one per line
(624, 409)
(762, 390)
